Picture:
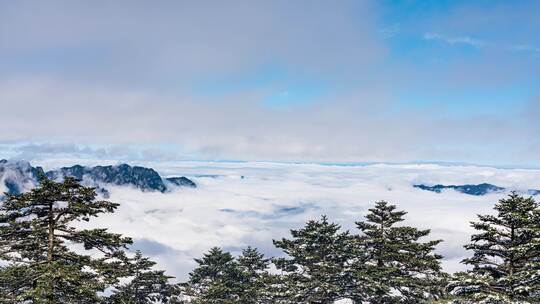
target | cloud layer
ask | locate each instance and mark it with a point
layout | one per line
(303, 80)
(241, 204)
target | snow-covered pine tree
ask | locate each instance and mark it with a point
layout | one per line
(216, 280)
(394, 266)
(256, 281)
(506, 255)
(37, 235)
(145, 286)
(317, 267)
(12, 283)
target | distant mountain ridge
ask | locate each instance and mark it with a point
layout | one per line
(145, 179)
(19, 176)
(471, 189)
(181, 181)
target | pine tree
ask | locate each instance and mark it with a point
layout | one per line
(216, 280)
(38, 238)
(506, 255)
(317, 269)
(256, 280)
(13, 283)
(146, 285)
(394, 266)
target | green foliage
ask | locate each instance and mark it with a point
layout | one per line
(506, 255)
(13, 284)
(393, 266)
(145, 285)
(256, 281)
(216, 280)
(220, 278)
(38, 237)
(317, 269)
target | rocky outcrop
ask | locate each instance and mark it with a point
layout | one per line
(181, 181)
(20, 176)
(471, 189)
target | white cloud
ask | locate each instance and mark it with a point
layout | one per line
(525, 48)
(181, 41)
(350, 127)
(121, 81)
(233, 212)
(455, 40)
(478, 43)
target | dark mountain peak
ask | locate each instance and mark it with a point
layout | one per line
(181, 181)
(19, 176)
(76, 171)
(471, 189)
(145, 179)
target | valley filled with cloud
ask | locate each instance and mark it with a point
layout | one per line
(237, 204)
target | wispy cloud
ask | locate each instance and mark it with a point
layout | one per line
(455, 39)
(525, 48)
(478, 43)
(391, 31)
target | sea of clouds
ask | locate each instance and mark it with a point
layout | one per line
(238, 204)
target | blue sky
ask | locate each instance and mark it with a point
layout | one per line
(346, 81)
